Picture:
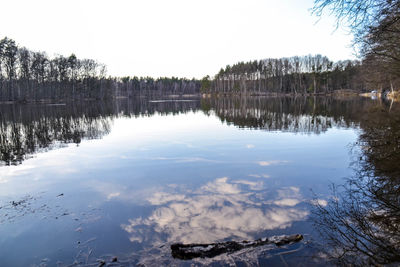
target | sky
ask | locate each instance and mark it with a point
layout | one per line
(182, 38)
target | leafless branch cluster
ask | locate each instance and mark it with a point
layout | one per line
(361, 223)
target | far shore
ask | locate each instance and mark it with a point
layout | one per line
(334, 93)
(346, 93)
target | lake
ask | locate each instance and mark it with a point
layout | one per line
(83, 183)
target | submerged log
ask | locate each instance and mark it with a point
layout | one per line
(191, 251)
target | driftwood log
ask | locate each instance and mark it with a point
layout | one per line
(191, 251)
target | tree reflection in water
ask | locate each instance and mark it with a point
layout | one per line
(361, 223)
(287, 114)
(28, 129)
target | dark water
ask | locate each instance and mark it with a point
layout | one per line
(81, 182)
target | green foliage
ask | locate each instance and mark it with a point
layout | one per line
(205, 84)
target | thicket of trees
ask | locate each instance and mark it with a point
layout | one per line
(295, 75)
(360, 223)
(148, 86)
(376, 28)
(31, 76)
(28, 75)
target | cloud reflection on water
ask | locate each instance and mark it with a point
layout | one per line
(259, 175)
(218, 210)
(271, 162)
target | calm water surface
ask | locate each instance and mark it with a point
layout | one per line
(90, 181)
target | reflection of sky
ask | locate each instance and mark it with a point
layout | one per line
(157, 177)
(218, 210)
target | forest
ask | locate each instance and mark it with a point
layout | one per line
(294, 75)
(375, 26)
(33, 76)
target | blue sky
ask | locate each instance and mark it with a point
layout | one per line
(184, 38)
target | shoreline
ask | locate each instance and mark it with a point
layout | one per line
(395, 96)
(335, 93)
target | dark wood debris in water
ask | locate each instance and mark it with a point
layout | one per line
(191, 251)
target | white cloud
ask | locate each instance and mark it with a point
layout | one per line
(185, 159)
(259, 176)
(216, 211)
(160, 198)
(254, 175)
(271, 162)
(320, 202)
(113, 195)
(287, 202)
(252, 185)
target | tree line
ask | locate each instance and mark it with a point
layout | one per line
(375, 25)
(33, 76)
(293, 75)
(27, 75)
